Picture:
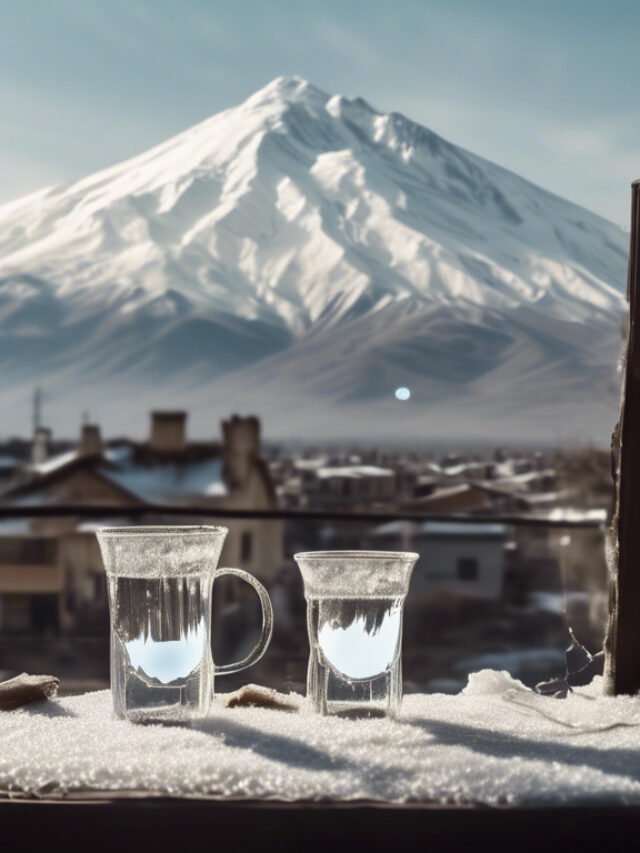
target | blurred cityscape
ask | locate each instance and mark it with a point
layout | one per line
(498, 590)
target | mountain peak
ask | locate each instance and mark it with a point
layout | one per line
(288, 89)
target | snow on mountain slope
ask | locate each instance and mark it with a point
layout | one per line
(302, 255)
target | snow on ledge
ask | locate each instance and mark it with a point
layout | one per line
(496, 743)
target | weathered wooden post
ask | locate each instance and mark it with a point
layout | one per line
(622, 645)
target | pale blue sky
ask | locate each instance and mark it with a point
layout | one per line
(542, 87)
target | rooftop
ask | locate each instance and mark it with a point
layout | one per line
(475, 531)
(355, 472)
(159, 480)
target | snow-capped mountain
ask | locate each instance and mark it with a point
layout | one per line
(301, 256)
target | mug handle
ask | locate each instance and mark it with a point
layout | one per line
(267, 623)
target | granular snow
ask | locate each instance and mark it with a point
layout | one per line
(496, 743)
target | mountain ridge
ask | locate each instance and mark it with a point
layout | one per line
(266, 236)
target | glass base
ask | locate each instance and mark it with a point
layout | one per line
(357, 710)
(329, 693)
(163, 715)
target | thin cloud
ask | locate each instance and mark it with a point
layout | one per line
(351, 47)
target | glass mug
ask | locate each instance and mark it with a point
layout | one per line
(160, 583)
(355, 602)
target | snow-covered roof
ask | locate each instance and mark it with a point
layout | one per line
(509, 467)
(528, 476)
(541, 498)
(464, 468)
(54, 462)
(161, 482)
(118, 452)
(459, 529)
(150, 478)
(355, 472)
(310, 464)
(446, 492)
(562, 513)
(94, 524)
(393, 528)
(433, 467)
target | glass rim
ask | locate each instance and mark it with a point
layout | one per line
(162, 530)
(364, 555)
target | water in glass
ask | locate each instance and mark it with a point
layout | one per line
(355, 661)
(161, 651)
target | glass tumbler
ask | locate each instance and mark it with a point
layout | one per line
(355, 602)
(160, 583)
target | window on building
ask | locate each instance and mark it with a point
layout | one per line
(539, 533)
(32, 550)
(467, 569)
(246, 546)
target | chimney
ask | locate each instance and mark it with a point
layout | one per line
(90, 443)
(241, 440)
(168, 431)
(40, 447)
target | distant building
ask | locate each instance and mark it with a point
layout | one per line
(471, 497)
(51, 574)
(466, 560)
(458, 560)
(348, 486)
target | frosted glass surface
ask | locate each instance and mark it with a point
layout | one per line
(154, 552)
(334, 574)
